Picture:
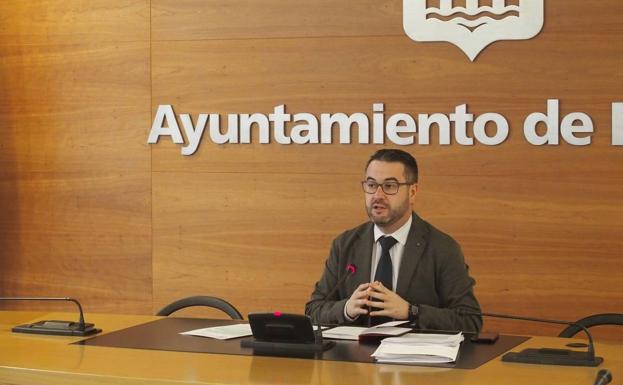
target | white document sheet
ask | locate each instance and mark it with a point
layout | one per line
(222, 332)
(353, 332)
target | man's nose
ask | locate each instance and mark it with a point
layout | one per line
(379, 193)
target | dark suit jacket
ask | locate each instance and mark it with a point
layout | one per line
(433, 275)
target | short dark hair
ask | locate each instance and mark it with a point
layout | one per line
(399, 156)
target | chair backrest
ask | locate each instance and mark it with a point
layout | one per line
(201, 300)
(593, 320)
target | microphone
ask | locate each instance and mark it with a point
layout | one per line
(547, 356)
(603, 377)
(55, 328)
(350, 270)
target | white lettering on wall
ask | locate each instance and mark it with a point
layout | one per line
(617, 124)
(501, 132)
(193, 133)
(165, 124)
(553, 128)
(402, 129)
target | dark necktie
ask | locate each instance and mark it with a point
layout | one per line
(384, 269)
(384, 272)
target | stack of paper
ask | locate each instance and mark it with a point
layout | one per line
(419, 349)
(355, 333)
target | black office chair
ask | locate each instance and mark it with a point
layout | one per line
(593, 320)
(201, 300)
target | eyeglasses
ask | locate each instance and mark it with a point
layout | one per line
(389, 187)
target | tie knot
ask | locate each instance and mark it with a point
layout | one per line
(387, 242)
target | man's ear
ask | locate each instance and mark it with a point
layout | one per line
(413, 189)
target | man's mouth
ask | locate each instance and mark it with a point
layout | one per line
(378, 207)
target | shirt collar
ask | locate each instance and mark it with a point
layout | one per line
(400, 235)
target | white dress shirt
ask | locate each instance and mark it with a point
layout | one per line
(395, 252)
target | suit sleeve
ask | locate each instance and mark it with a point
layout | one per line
(330, 311)
(454, 287)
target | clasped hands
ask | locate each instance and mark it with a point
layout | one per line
(375, 295)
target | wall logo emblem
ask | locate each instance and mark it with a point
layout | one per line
(473, 24)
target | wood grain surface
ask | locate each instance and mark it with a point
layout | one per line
(75, 186)
(129, 227)
(59, 362)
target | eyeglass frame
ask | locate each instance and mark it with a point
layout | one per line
(363, 183)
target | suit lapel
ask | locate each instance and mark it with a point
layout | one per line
(362, 258)
(416, 243)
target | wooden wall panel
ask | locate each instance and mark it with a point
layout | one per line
(548, 244)
(258, 240)
(76, 107)
(78, 234)
(75, 185)
(248, 76)
(536, 246)
(222, 19)
(73, 21)
(82, 191)
(538, 225)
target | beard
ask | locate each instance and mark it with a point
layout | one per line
(382, 213)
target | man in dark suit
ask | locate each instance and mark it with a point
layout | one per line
(406, 269)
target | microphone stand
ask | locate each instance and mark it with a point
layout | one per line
(548, 356)
(54, 327)
(351, 269)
